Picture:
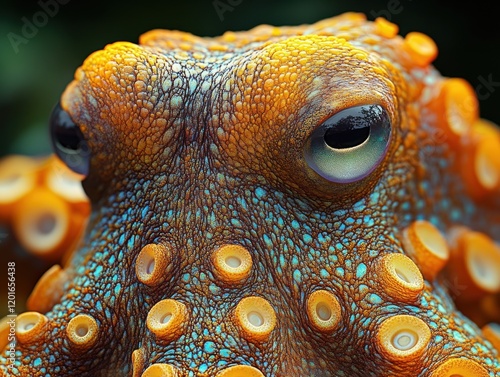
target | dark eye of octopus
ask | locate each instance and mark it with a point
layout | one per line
(68, 142)
(350, 144)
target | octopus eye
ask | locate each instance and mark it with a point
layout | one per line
(68, 141)
(350, 144)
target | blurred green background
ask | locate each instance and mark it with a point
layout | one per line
(32, 79)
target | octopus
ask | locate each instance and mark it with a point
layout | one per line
(312, 200)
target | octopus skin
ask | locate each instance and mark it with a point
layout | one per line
(295, 201)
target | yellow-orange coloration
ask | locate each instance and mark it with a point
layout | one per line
(426, 245)
(166, 319)
(320, 149)
(42, 224)
(151, 266)
(481, 165)
(386, 28)
(474, 264)
(82, 331)
(138, 360)
(232, 263)
(17, 178)
(492, 333)
(323, 310)
(30, 326)
(160, 370)
(255, 317)
(45, 205)
(460, 368)
(403, 338)
(489, 309)
(66, 184)
(400, 277)
(4, 332)
(240, 371)
(48, 290)
(421, 48)
(457, 109)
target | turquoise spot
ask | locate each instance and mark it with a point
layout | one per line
(214, 289)
(361, 270)
(203, 368)
(297, 276)
(209, 347)
(469, 328)
(260, 192)
(282, 260)
(267, 240)
(374, 298)
(295, 224)
(98, 271)
(307, 238)
(225, 352)
(458, 336)
(339, 271)
(37, 362)
(368, 222)
(236, 223)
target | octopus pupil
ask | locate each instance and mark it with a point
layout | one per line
(343, 139)
(69, 140)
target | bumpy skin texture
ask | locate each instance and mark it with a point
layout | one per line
(199, 143)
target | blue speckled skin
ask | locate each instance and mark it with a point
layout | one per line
(223, 167)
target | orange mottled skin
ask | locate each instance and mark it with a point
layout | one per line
(199, 142)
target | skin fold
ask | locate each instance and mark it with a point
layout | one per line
(214, 248)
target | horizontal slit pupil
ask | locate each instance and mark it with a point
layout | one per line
(69, 141)
(343, 139)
